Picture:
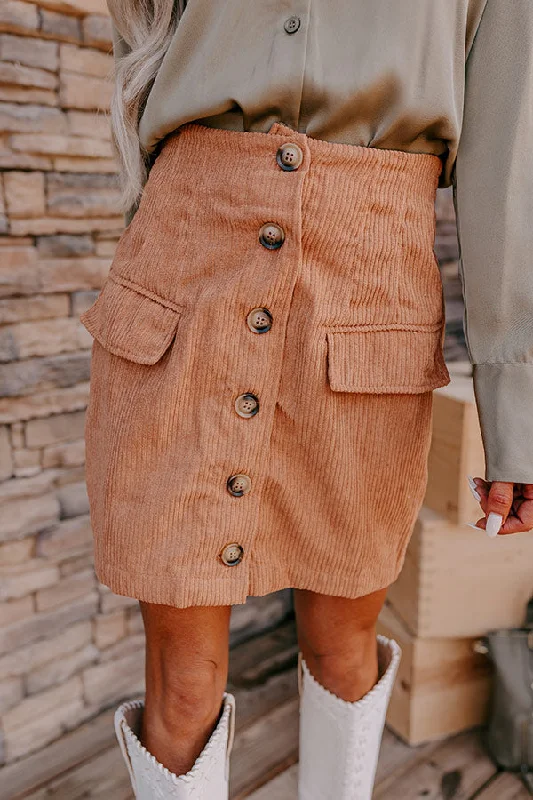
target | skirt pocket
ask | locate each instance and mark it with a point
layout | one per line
(390, 358)
(132, 322)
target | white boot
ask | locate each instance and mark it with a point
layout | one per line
(339, 740)
(208, 778)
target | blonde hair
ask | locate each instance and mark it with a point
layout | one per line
(146, 28)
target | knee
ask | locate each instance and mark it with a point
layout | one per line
(342, 658)
(351, 655)
(185, 696)
(337, 635)
(347, 673)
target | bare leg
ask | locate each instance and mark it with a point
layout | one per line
(337, 638)
(341, 729)
(186, 675)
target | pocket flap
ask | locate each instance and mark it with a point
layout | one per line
(386, 358)
(130, 323)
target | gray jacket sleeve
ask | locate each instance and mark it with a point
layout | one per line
(493, 196)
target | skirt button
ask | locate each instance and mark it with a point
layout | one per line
(246, 405)
(271, 236)
(259, 320)
(232, 554)
(289, 157)
(238, 485)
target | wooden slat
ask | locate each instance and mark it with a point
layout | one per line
(28, 774)
(282, 787)
(262, 673)
(504, 786)
(264, 748)
(102, 777)
(256, 659)
(390, 775)
(395, 757)
(456, 768)
(467, 754)
(252, 704)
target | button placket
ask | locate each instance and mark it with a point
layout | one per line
(289, 157)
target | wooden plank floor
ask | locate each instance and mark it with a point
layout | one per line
(88, 764)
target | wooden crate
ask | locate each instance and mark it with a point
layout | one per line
(456, 581)
(456, 450)
(442, 687)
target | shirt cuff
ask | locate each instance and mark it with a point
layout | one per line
(504, 399)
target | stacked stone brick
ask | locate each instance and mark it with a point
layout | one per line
(69, 648)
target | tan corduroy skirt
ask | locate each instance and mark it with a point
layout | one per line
(265, 349)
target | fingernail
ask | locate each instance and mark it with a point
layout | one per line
(473, 488)
(473, 525)
(494, 523)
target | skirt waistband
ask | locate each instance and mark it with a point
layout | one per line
(406, 172)
(354, 225)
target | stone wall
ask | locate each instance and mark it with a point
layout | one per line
(68, 647)
(61, 634)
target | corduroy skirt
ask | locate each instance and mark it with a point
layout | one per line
(265, 348)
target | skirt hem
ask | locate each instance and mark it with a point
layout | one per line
(167, 590)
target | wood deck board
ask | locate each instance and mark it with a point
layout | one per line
(456, 769)
(90, 739)
(504, 786)
(87, 763)
(282, 787)
(103, 776)
(262, 747)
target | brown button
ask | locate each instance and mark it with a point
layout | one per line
(238, 485)
(247, 405)
(292, 24)
(271, 236)
(289, 157)
(259, 320)
(232, 554)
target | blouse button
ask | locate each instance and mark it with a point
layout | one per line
(247, 405)
(232, 554)
(271, 236)
(259, 320)
(238, 485)
(289, 157)
(292, 24)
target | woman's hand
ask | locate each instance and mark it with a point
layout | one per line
(508, 507)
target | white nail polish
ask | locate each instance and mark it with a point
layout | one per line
(473, 525)
(473, 488)
(494, 523)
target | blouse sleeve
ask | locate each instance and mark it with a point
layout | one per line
(492, 184)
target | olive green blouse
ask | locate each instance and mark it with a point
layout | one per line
(449, 77)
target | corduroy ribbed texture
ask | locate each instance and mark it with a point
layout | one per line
(337, 454)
